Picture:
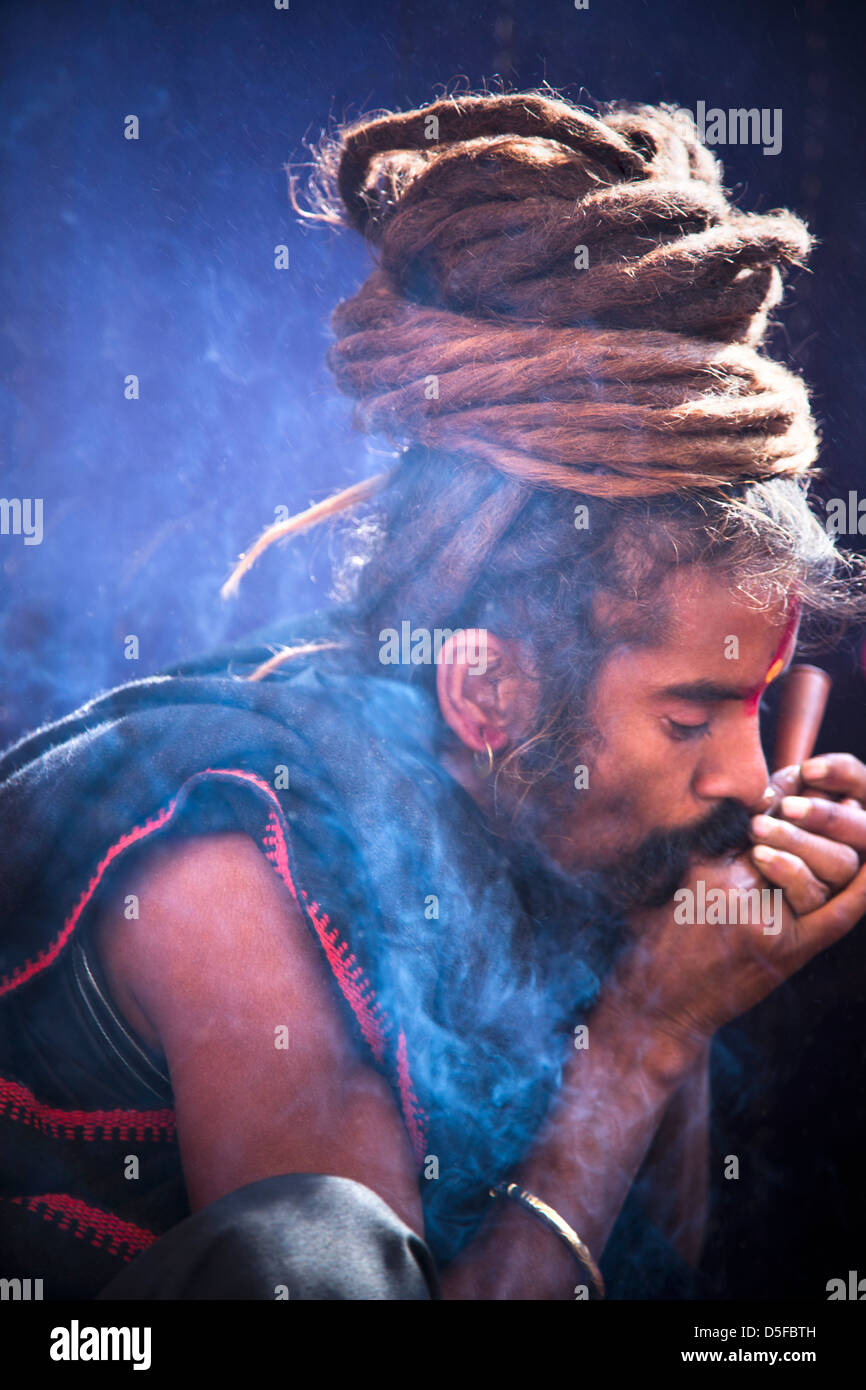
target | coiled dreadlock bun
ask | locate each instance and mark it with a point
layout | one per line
(568, 299)
(629, 368)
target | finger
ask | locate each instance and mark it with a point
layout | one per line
(829, 818)
(804, 892)
(836, 918)
(831, 862)
(786, 781)
(836, 772)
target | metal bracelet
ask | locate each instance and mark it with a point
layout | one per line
(553, 1219)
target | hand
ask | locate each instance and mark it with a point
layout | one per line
(690, 980)
(813, 845)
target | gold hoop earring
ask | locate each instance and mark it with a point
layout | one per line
(485, 770)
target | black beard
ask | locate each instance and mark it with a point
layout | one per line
(646, 876)
(650, 875)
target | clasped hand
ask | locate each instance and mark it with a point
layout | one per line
(813, 844)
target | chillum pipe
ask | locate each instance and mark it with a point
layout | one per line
(803, 702)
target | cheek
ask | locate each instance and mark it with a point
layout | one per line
(635, 765)
(633, 749)
(646, 779)
(618, 784)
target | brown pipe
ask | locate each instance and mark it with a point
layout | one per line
(801, 711)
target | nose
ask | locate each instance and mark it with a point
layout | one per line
(734, 765)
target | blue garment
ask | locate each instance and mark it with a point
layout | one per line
(462, 968)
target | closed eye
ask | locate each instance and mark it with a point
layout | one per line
(682, 733)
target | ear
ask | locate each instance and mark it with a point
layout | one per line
(485, 688)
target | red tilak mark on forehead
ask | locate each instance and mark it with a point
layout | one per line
(777, 665)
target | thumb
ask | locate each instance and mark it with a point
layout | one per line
(786, 781)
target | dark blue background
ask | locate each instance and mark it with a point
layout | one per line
(156, 257)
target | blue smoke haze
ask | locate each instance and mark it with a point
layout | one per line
(155, 257)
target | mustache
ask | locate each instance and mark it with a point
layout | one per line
(650, 875)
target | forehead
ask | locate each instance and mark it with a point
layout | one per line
(701, 614)
(704, 631)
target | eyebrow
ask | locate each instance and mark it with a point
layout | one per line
(707, 692)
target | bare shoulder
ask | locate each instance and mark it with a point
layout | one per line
(209, 913)
(221, 973)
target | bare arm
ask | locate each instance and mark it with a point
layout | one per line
(221, 956)
(219, 960)
(602, 1124)
(673, 990)
(675, 1177)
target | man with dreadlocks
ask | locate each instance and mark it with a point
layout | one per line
(331, 978)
